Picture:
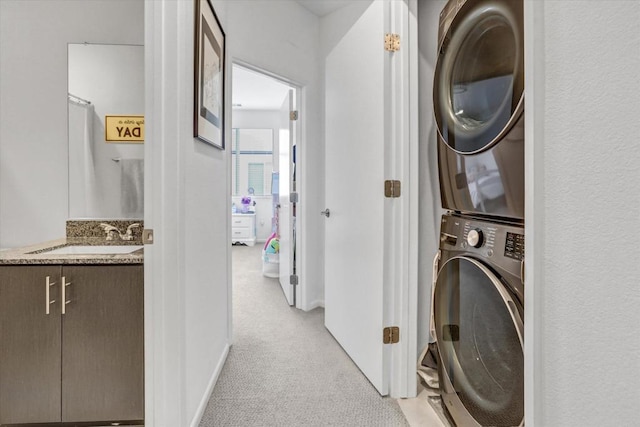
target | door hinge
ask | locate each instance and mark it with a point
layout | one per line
(147, 236)
(293, 197)
(391, 335)
(293, 115)
(293, 279)
(392, 188)
(392, 42)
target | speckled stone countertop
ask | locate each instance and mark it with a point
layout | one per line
(38, 254)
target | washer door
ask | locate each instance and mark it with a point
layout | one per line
(479, 78)
(479, 333)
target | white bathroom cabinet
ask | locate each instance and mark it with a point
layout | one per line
(243, 229)
(85, 365)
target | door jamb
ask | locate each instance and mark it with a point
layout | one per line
(300, 182)
(405, 140)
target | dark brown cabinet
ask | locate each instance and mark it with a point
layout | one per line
(30, 345)
(82, 361)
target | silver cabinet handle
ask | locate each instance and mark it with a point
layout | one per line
(64, 295)
(47, 292)
(326, 213)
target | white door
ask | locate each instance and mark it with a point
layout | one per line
(355, 174)
(285, 214)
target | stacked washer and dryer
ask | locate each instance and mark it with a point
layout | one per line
(478, 293)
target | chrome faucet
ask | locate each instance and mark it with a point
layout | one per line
(129, 234)
(113, 232)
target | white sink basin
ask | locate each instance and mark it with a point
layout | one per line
(93, 250)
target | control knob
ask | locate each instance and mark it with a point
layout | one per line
(475, 238)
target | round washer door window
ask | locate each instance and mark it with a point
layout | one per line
(480, 341)
(479, 78)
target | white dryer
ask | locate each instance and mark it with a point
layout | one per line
(478, 102)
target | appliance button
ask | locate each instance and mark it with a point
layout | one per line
(475, 238)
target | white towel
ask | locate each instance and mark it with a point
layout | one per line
(132, 188)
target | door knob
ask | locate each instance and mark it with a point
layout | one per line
(326, 213)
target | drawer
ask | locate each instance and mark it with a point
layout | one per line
(241, 233)
(240, 221)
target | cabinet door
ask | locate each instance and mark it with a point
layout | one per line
(29, 345)
(103, 344)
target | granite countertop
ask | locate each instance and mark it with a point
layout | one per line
(37, 254)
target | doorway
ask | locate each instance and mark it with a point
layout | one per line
(264, 139)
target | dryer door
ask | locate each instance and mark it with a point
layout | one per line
(479, 333)
(479, 78)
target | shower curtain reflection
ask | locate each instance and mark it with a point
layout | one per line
(82, 188)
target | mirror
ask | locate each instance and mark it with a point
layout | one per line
(252, 161)
(106, 177)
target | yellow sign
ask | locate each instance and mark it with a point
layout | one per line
(124, 129)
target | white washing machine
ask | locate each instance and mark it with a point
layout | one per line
(478, 102)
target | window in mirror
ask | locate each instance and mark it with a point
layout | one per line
(252, 161)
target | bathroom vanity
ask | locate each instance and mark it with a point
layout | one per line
(72, 333)
(72, 310)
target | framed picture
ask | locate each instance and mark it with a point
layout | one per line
(208, 123)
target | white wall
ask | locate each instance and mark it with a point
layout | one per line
(429, 200)
(282, 37)
(187, 187)
(585, 270)
(188, 329)
(33, 105)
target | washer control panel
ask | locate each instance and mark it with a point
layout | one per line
(500, 245)
(514, 246)
(482, 237)
(478, 236)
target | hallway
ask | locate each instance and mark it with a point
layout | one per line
(284, 368)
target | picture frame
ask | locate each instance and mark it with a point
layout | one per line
(209, 76)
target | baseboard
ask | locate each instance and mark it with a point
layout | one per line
(212, 383)
(314, 304)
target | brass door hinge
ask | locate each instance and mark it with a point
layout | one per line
(392, 42)
(147, 236)
(391, 335)
(293, 115)
(392, 188)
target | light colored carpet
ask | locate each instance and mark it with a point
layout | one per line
(284, 368)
